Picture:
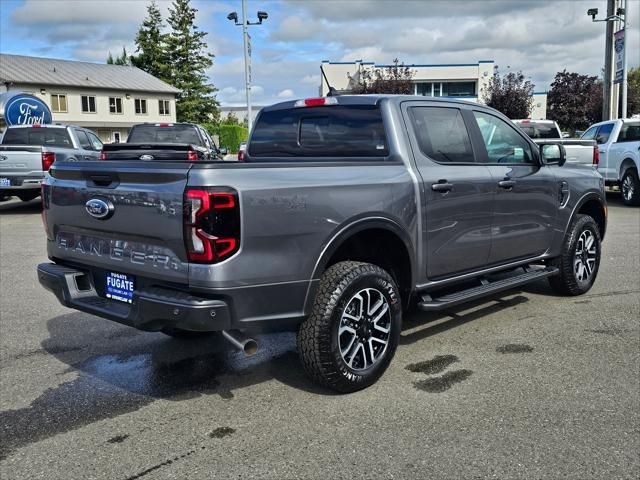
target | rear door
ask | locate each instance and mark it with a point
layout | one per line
(88, 152)
(526, 192)
(142, 233)
(458, 191)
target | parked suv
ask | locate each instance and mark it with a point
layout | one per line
(346, 211)
(619, 149)
(28, 151)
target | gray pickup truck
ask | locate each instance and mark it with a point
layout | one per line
(347, 211)
(28, 151)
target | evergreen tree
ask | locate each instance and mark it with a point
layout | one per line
(123, 59)
(150, 45)
(110, 58)
(189, 60)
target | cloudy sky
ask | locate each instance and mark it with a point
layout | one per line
(539, 37)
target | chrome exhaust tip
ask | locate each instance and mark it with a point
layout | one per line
(239, 340)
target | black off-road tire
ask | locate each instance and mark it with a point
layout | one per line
(630, 181)
(318, 342)
(567, 282)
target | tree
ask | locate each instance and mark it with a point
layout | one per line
(189, 60)
(575, 100)
(231, 119)
(633, 91)
(512, 94)
(395, 78)
(151, 45)
(123, 59)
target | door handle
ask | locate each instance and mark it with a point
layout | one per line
(507, 184)
(442, 186)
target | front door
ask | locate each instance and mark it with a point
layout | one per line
(458, 191)
(526, 192)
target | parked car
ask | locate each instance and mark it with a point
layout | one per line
(28, 151)
(619, 148)
(346, 211)
(241, 149)
(164, 141)
(579, 152)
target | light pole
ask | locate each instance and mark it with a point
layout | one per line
(620, 16)
(233, 16)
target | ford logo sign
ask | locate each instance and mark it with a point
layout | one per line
(99, 209)
(146, 157)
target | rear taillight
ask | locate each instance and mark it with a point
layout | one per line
(596, 155)
(316, 102)
(241, 155)
(103, 156)
(47, 160)
(192, 155)
(211, 224)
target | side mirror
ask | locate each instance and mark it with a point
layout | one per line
(553, 154)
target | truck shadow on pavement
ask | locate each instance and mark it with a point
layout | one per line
(113, 370)
(18, 207)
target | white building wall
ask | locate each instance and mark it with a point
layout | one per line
(109, 126)
(539, 111)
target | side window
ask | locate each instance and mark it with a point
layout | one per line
(630, 133)
(84, 140)
(504, 144)
(95, 141)
(442, 134)
(604, 133)
(589, 134)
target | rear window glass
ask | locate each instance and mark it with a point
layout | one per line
(43, 137)
(630, 132)
(538, 130)
(331, 131)
(442, 134)
(168, 134)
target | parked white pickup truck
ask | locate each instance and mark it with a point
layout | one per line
(619, 148)
(579, 152)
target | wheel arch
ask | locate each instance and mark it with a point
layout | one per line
(360, 240)
(626, 164)
(594, 205)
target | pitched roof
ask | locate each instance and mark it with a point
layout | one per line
(50, 71)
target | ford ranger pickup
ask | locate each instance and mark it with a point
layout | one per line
(347, 211)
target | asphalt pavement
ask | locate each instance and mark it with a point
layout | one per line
(524, 385)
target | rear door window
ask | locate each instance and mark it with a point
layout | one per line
(42, 136)
(326, 131)
(630, 132)
(85, 143)
(442, 134)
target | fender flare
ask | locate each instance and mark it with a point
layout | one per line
(583, 200)
(342, 235)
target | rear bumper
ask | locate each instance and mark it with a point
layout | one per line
(22, 182)
(153, 308)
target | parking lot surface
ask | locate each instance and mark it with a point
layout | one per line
(525, 385)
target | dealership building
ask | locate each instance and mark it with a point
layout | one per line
(107, 99)
(453, 80)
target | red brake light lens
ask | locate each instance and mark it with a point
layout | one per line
(241, 155)
(596, 156)
(47, 160)
(316, 102)
(36, 125)
(103, 156)
(211, 224)
(192, 155)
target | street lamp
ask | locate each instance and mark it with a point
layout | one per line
(233, 16)
(620, 16)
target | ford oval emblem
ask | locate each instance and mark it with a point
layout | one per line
(146, 157)
(99, 209)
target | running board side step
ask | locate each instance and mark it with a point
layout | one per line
(429, 304)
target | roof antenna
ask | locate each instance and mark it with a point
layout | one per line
(332, 91)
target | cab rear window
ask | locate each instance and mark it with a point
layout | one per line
(354, 131)
(42, 137)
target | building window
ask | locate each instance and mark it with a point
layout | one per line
(58, 103)
(88, 104)
(141, 106)
(163, 107)
(115, 105)
(446, 89)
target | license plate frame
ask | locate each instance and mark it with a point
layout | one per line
(119, 287)
(5, 182)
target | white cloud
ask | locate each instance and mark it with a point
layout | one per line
(286, 93)
(311, 80)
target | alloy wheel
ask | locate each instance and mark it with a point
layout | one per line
(628, 187)
(585, 256)
(364, 329)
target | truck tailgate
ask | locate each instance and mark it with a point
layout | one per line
(20, 160)
(118, 216)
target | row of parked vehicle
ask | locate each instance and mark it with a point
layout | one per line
(28, 151)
